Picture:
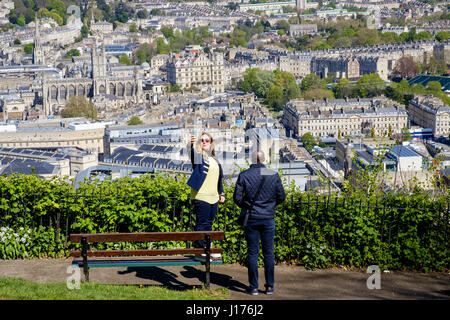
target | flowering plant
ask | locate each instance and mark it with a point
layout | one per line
(14, 244)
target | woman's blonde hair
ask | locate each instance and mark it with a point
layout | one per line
(198, 145)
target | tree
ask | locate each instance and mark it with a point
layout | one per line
(133, 28)
(292, 91)
(406, 68)
(145, 52)
(174, 88)
(58, 7)
(274, 97)
(161, 46)
(28, 48)
(436, 66)
(442, 36)
(312, 81)
(343, 89)
(12, 16)
(406, 135)
(123, 12)
(434, 87)
(317, 94)
(308, 138)
(72, 53)
(79, 106)
(167, 32)
(124, 59)
(21, 20)
(135, 120)
(282, 25)
(84, 31)
(142, 14)
(370, 85)
(257, 81)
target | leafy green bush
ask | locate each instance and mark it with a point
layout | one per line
(355, 229)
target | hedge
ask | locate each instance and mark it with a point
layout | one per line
(401, 231)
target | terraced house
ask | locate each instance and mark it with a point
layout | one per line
(345, 117)
(429, 112)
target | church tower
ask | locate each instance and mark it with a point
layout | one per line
(301, 4)
(98, 58)
(100, 81)
(38, 54)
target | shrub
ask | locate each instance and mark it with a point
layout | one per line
(403, 230)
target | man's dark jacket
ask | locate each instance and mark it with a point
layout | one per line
(271, 194)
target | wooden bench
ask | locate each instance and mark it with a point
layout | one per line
(185, 256)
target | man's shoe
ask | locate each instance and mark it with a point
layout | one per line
(253, 292)
(269, 290)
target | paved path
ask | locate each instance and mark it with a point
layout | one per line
(291, 282)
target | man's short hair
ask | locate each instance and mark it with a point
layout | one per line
(258, 156)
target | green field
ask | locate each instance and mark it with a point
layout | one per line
(20, 289)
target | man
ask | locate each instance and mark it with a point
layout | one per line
(261, 222)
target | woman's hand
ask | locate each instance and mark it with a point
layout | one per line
(192, 139)
(222, 199)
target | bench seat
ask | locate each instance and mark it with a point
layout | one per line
(145, 257)
(145, 262)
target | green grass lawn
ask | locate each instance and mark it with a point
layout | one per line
(20, 289)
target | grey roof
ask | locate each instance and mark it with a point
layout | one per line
(30, 167)
(402, 151)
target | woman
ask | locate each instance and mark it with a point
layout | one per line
(206, 183)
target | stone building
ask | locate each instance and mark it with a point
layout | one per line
(370, 64)
(344, 117)
(342, 67)
(89, 139)
(429, 112)
(93, 83)
(298, 30)
(298, 65)
(197, 69)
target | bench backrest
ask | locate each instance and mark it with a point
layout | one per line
(147, 236)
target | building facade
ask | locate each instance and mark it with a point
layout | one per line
(94, 84)
(342, 67)
(429, 112)
(198, 70)
(343, 117)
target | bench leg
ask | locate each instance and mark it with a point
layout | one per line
(208, 260)
(85, 260)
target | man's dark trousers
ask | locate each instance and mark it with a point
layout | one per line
(205, 214)
(264, 230)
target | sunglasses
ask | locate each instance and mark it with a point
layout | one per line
(205, 140)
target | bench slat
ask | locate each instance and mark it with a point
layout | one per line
(149, 252)
(147, 236)
(181, 261)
